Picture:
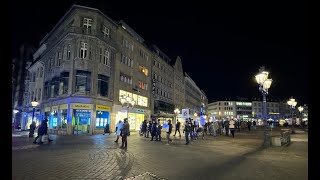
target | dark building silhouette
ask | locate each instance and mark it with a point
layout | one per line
(19, 65)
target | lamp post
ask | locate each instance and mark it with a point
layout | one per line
(292, 103)
(300, 108)
(14, 119)
(176, 112)
(264, 85)
(127, 101)
(34, 103)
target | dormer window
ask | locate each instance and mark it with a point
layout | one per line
(87, 23)
(105, 31)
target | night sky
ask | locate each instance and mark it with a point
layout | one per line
(222, 45)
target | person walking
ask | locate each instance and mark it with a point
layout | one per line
(187, 130)
(159, 127)
(177, 128)
(153, 130)
(118, 130)
(249, 125)
(106, 129)
(226, 125)
(125, 129)
(232, 127)
(42, 130)
(144, 128)
(169, 132)
(254, 124)
(215, 128)
(149, 129)
(32, 128)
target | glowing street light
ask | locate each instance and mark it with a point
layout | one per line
(34, 103)
(292, 103)
(264, 85)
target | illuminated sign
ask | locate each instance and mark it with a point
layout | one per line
(47, 109)
(185, 113)
(54, 108)
(64, 106)
(81, 106)
(103, 108)
(273, 113)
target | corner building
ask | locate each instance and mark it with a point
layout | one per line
(91, 62)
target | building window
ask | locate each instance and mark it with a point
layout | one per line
(39, 94)
(127, 44)
(125, 78)
(105, 31)
(142, 85)
(143, 55)
(41, 72)
(55, 85)
(106, 58)
(69, 52)
(83, 50)
(83, 81)
(143, 70)
(103, 85)
(59, 58)
(87, 23)
(127, 61)
(100, 54)
(64, 82)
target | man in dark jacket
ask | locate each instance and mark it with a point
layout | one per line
(177, 128)
(144, 128)
(226, 126)
(42, 130)
(169, 132)
(149, 129)
(187, 129)
(106, 129)
(32, 128)
(153, 130)
(159, 127)
(125, 132)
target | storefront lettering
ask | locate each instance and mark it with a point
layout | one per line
(64, 106)
(82, 106)
(54, 108)
(103, 108)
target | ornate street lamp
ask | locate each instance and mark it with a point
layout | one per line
(264, 85)
(292, 103)
(34, 103)
(176, 112)
(127, 101)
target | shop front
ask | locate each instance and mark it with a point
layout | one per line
(102, 117)
(135, 116)
(81, 118)
(62, 121)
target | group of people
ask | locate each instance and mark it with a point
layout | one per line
(42, 130)
(154, 128)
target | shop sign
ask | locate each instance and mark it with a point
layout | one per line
(81, 106)
(185, 113)
(64, 106)
(103, 108)
(47, 109)
(140, 110)
(54, 108)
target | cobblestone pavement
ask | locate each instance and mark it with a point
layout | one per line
(219, 158)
